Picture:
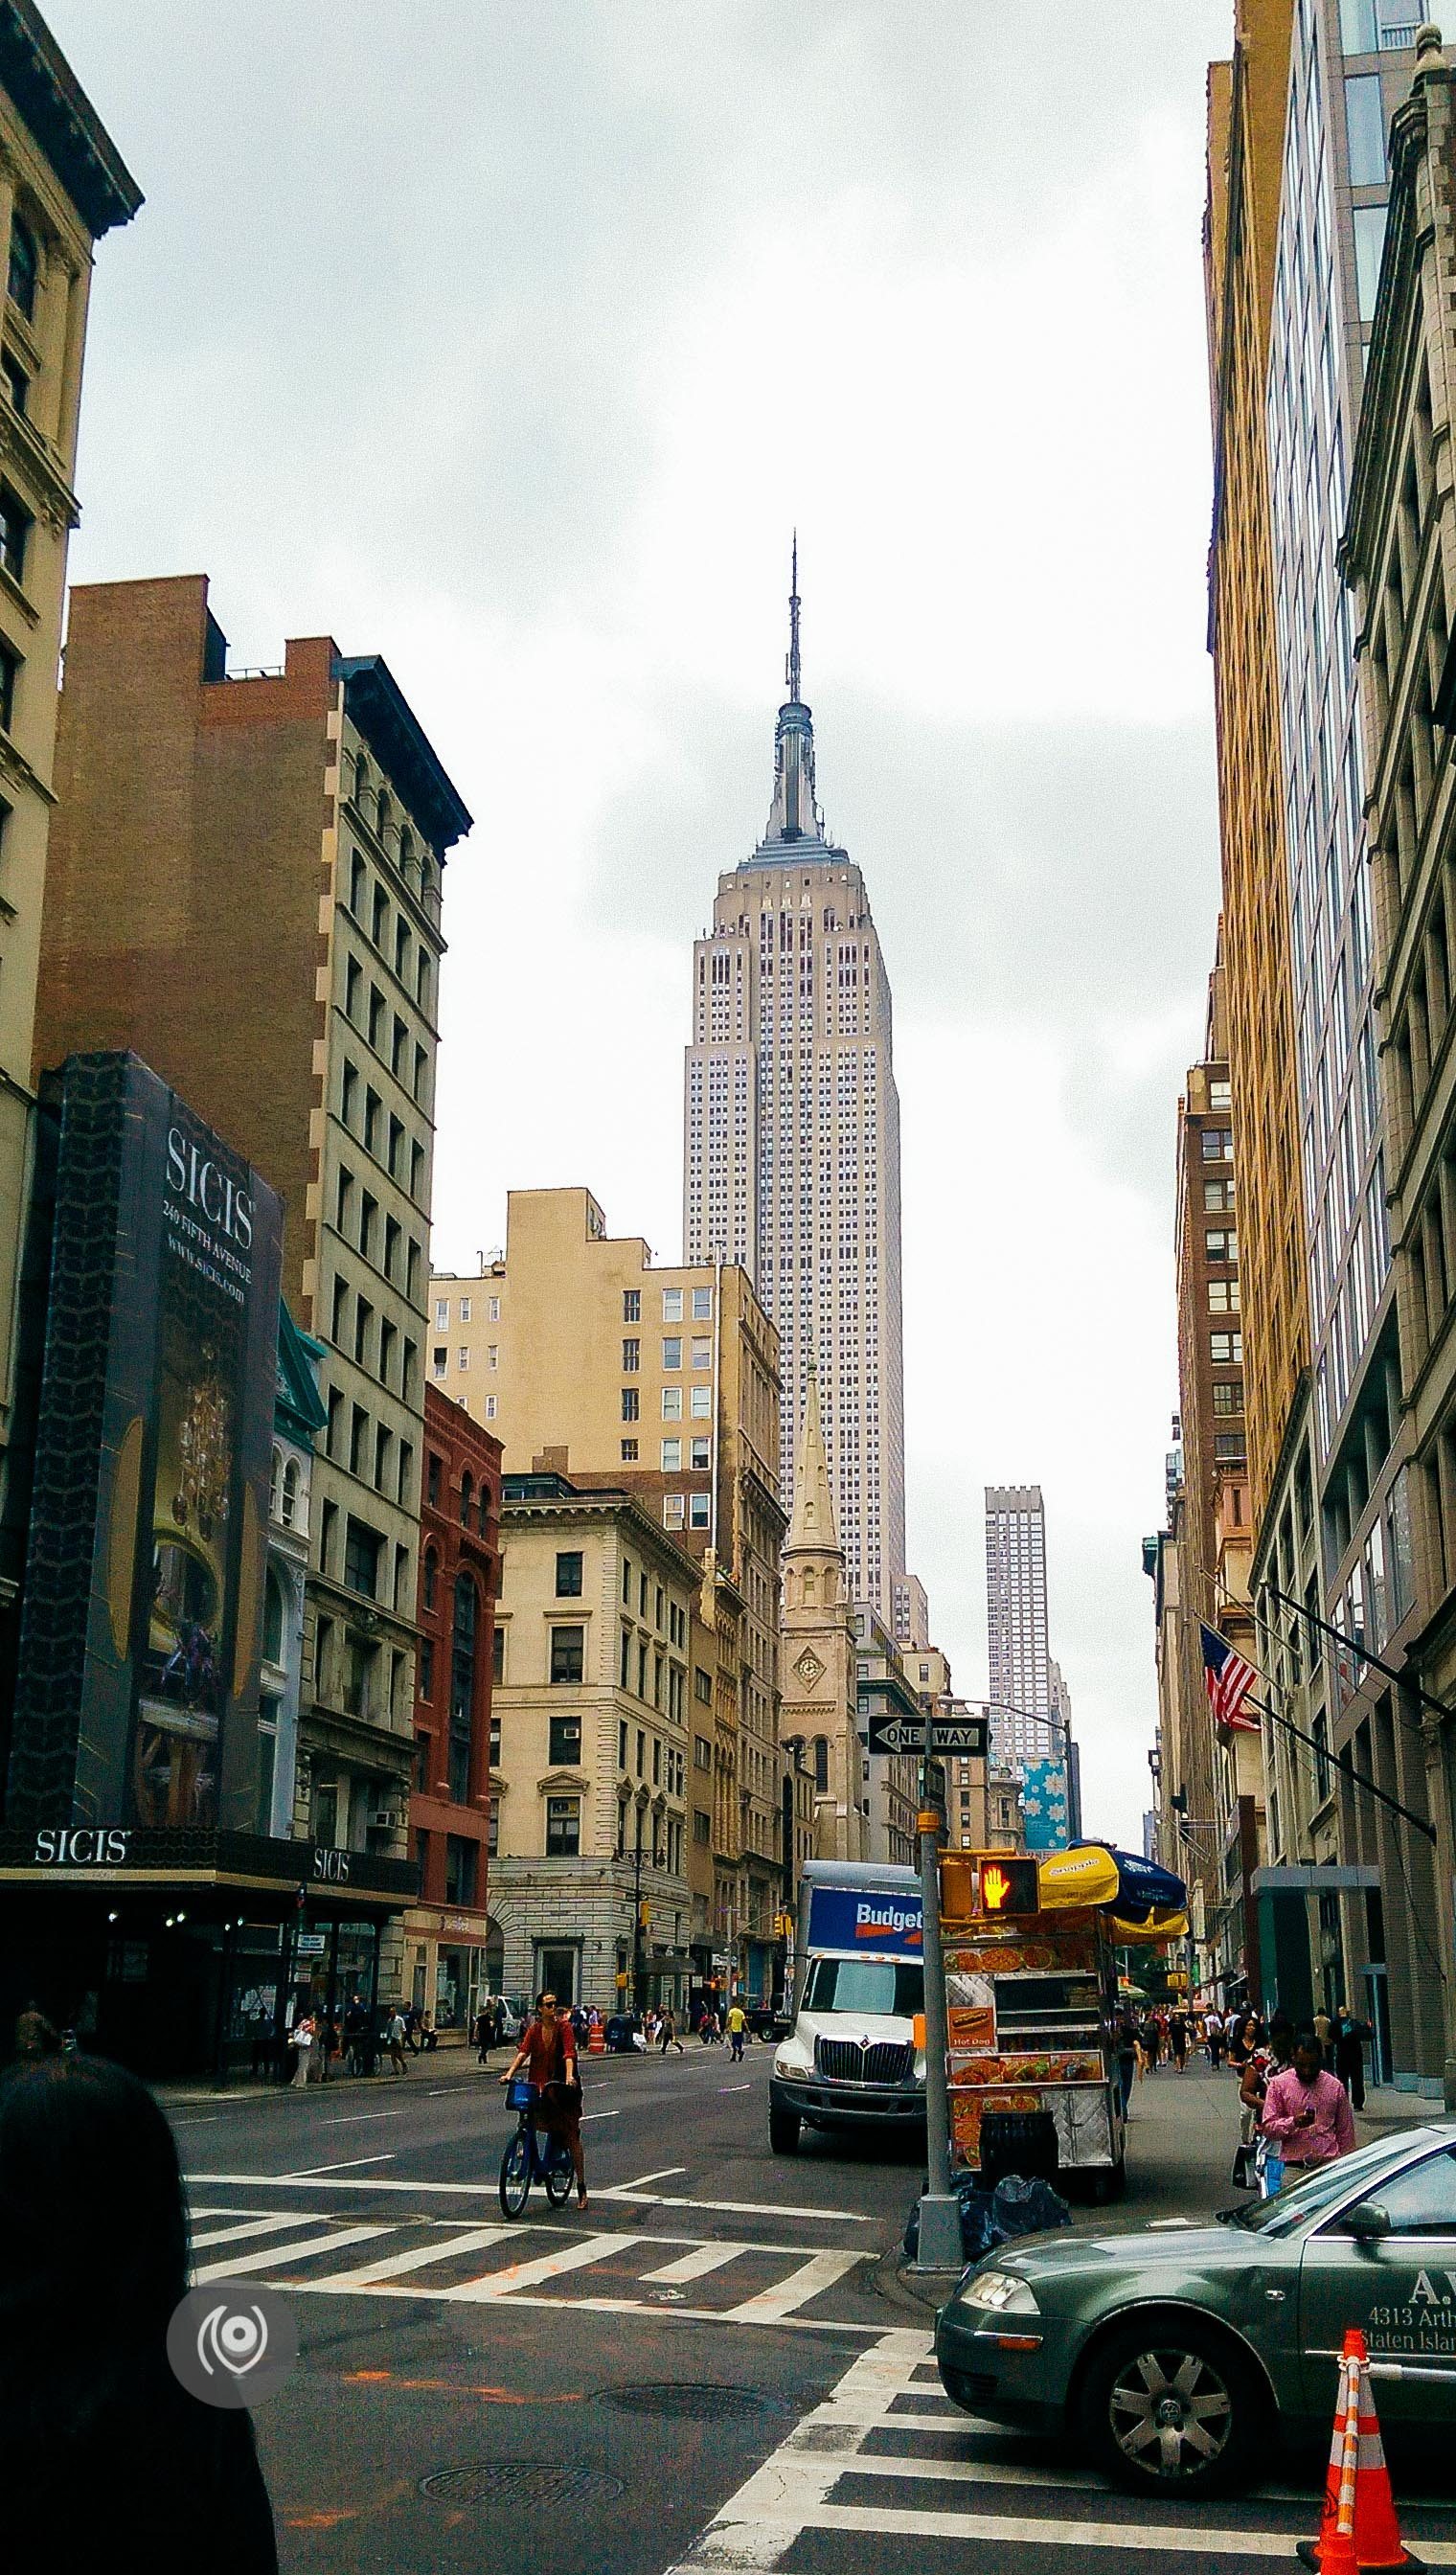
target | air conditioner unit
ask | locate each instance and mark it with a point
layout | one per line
(388, 1819)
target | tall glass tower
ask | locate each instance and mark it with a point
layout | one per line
(792, 1160)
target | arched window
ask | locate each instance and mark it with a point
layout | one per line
(811, 1588)
(361, 781)
(381, 813)
(821, 1761)
(287, 1512)
(432, 1576)
(275, 1487)
(24, 266)
(272, 1619)
(485, 1511)
(461, 1684)
(467, 1496)
(407, 853)
(358, 887)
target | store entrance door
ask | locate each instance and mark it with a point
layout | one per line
(556, 1970)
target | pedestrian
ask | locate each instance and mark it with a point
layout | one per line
(668, 2034)
(1307, 2115)
(105, 2457)
(1351, 2034)
(1150, 2040)
(547, 2054)
(429, 2034)
(738, 2022)
(1178, 2039)
(1324, 2030)
(1214, 2036)
(35, 2035)
(303, 2046)
(483, 2032)
(411, 2029)
(1126, 2040)
(394, 2041)
(328, 2048)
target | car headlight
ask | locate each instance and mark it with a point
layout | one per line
(788, 2072)
(1000, 2293)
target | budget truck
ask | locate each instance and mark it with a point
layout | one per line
(856, 2053)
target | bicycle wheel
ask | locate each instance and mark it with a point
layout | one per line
(560, 2172)
(516, 2174)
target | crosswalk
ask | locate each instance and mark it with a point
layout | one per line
(608, 2269)
(887, 2465)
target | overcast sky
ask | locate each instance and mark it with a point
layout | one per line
(510, 339)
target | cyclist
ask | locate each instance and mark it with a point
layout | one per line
(547, 2054)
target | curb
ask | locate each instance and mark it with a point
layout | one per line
(915, 2293)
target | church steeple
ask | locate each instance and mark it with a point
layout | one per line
(811, 1529)
(794, 815)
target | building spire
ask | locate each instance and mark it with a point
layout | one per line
(795, 815)
(791, 665)
(812, 1529)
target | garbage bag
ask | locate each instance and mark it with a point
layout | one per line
(1021, 2207)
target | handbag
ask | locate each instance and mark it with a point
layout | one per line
(1242, 2176)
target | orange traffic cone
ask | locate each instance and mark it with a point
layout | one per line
(1358, 2532)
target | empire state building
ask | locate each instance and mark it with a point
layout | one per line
(791, 1156)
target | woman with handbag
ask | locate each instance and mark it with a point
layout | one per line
(547, 2054)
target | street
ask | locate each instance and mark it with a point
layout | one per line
(716, 2366)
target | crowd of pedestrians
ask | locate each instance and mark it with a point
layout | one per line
(1298, 2090)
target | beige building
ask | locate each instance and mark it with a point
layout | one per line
(589, 1883)
(582, 1353)
(62, 185)
(890, 1792)
(244, 887)
(820, 1693)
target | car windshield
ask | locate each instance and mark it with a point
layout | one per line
(1330, 2183)
(883, 1985)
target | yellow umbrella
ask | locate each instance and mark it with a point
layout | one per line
(1158, 1927)
(1079, 1877)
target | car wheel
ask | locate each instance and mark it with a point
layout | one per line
(782, 2130)
(1171, 2407)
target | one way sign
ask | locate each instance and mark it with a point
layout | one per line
(966, 1734)
(897, 1733)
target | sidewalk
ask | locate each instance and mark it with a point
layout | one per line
(454, 2064)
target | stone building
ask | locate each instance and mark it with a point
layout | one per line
(451, 1806)
(821, 1690)
(589, 1892)
(62, 186)
(1399, 555)
(586, 1355)
(244, 887)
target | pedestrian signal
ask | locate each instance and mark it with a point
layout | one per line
(1008, 1887)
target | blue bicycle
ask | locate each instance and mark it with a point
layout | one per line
(531, 2156)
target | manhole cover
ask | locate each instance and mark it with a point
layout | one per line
(533, 2481)
(690, 2402)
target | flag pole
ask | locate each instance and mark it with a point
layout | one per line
(1347, 1769)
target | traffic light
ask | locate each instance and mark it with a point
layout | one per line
(1009, 1886)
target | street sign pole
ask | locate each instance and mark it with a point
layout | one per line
(939, 2245)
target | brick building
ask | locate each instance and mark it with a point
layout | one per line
(450, 1802)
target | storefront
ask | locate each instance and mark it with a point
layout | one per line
(187, 1953)
(446, 1972)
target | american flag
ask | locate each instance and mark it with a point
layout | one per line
(1228, 1680)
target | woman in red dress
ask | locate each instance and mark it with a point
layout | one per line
(547, 2054)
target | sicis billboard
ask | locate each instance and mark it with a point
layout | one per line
(136, 1692)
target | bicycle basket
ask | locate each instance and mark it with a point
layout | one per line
(519, 2093)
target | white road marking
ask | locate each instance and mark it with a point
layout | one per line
(310, 2172)
(278, 2256)
(195, 2123)
(358, 2118)
(420, 2257)
(244, 2226)
(734, 2088)
(600, 2114)
(820, 2271)
(721, 2207)
(668, 2174)
(706, 2257)
(546, 2266)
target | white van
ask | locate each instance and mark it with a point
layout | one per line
(853, 2056)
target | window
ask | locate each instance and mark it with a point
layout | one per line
(671, 1404)
(629, 1453)
(442, 1314)
(466, 1497)
(1365, 127)
(1228, 1448)
(498, 1667)
(673, 1507)
(567, 1654)
(672, 1304)
(630, 1403)
(288, 1505)
(1369, 223)
(1228, 1397)
(1221, 1095)
(272, 1620)
(493, 1829)
(671, 1456)
(431, 1481)
(361, 1557)
(462, 1356)
(1217, 1145)
(565, 1742)
(562, 1827)
(631, 1304)
(1217, 1196)
(15, 527)
(702, 1304)
(622, 1721)
(702, 1686)
(701, 1829)
(11, 664)
(701, 1405)
(461, 1684)
(432, 1576)
(1422, 2199)
(631, 1356)
(427, 1667)
(1220, 1244)
(1358, 32)
(460, 1870)
(671, 1350)
(490, 1408)
(568, 1575)
(700, 1456)
(24, 269)
(493, 1309)
(1223, 1296)
(697, 1510)
(17, 381)
(464, 1309)
(439, 1363)
(422, 1763)
(1226, 1350)
(702, 1351)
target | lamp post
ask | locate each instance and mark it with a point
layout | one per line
(659, 1862)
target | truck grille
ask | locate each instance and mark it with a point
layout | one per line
(843, 2060)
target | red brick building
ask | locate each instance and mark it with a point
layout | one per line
(450, 1804)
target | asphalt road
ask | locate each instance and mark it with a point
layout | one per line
(717, 2366)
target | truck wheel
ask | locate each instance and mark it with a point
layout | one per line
(1171, 2407)
(784, 2126)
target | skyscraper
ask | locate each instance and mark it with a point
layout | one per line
(1019, 1665)
(791, 1158)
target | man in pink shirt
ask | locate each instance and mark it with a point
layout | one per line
(1307, 2117)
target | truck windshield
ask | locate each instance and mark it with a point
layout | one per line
(883, 1985)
